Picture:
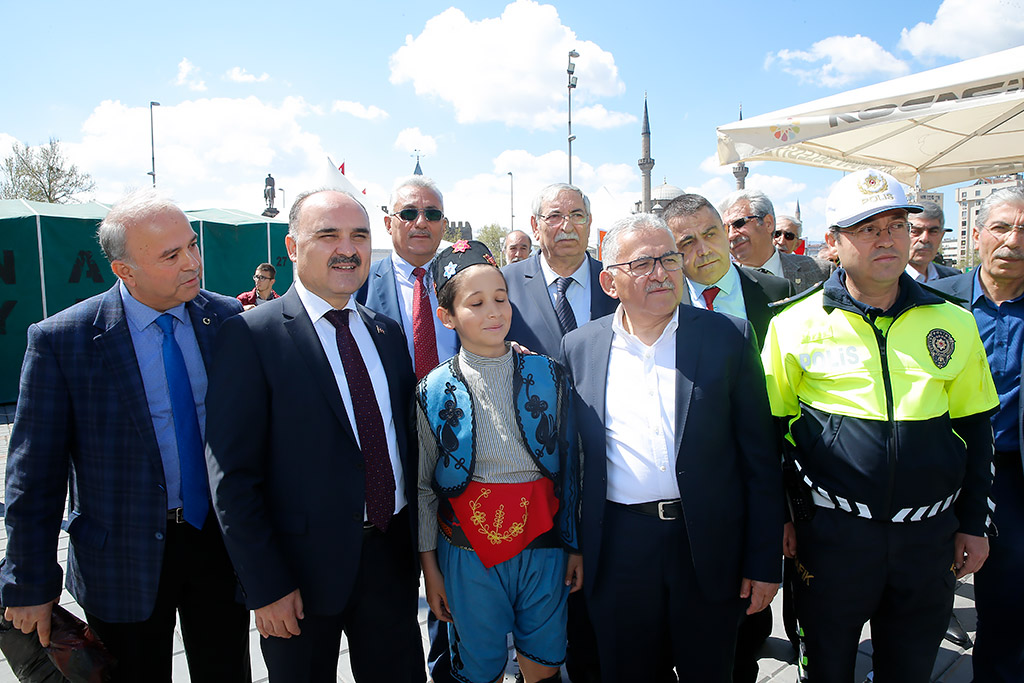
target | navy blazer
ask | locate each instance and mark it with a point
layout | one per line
(289, 483)
(82, 412)
(961, 288)
(534, 322)
(380, 291)
(727, 464)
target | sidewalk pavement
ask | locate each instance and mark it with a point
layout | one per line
(953, 664)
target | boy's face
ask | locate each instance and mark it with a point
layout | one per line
(481, 313)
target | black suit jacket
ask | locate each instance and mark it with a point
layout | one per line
(727, 465)
(288, 480)
(760, 290)
(534, 323)
(961, 288)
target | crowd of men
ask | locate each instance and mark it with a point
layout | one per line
(215, 463)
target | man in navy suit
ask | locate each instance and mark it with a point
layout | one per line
(401, 286)
(682, 501)
(97, 408)
(926, 231)
(313, 490)
(995, 294)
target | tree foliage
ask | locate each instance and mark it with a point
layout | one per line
(42, 174)
(492, 235)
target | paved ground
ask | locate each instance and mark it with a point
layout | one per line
(952, 665)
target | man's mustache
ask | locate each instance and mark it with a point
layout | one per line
(339, 259)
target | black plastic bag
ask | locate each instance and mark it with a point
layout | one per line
(75, 654)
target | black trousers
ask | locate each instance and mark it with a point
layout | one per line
(998, 654)
(198, 583)
(380, 621)
(646, 606)
(897, 576)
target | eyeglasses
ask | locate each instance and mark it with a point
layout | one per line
(740, 222)
(556, 220)
(790, 236)
(671, 261)
(1002, 229)
(915, 231)
(870, 233)
(409, 215)
(258, 278)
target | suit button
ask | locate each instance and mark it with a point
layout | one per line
(159, 536)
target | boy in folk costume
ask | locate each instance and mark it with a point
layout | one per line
(499, 478)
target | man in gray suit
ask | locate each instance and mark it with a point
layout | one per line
(926, 231)
(750, 218)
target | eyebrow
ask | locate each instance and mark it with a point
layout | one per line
(173, 250)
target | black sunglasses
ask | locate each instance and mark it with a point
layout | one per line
(740, 222)
(790, 236)
(409, 215)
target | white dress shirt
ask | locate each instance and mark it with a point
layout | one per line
(578, 291)
(406, 283)
(729, 300)
(640, 416)
(932, 274)
(316, 307)
(774, 264)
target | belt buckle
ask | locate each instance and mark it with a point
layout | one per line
(661, 510)
(178, 519)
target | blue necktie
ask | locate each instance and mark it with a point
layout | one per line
(194, 484)
(566, 318)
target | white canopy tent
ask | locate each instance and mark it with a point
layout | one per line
(956, 123)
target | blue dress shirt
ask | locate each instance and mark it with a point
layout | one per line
(1002, 331)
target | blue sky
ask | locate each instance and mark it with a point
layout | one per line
(251, 88)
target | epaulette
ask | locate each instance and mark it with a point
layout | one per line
(781, 303)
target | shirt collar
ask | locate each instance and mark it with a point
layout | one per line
(404, 269)
(728, 283)
(774, 264)
(315, 306)
(139, 315)
(979, 293)
(930, 273)
(581, 274)
(619, 329)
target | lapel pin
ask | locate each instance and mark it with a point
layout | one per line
(380, 330)
(206, 321)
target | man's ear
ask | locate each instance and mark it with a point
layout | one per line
(608, 284)
(289, 244)
(124, 272)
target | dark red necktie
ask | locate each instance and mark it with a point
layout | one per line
(424, 342)
(709, 295)
(380, 478)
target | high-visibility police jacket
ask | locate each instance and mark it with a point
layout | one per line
(888, 418)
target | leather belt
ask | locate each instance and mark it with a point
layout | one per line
(174, 515)
(666, 510)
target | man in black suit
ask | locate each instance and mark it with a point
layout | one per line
(750, 217)
(556, 290)
(702, 240)
(926, 231)
(682, 505)
(312, 488)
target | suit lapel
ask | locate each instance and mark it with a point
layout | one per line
(300, 328)
(538, 291)
(755, 303)
(388, 289)
(204, 322)
(687, 360)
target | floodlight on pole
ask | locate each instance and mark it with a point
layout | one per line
(572, 85)
(152, 142)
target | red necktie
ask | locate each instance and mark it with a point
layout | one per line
(380, 478)
(709, 295)
(424, 342)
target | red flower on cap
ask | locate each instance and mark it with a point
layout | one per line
(460, 246)
(490, 259)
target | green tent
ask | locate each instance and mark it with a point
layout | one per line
(50, 259)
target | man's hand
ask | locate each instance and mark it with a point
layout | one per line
(281, 617)
(574, 572)
(32, 618)
(759, 592)
(789, 540)
(969, 553)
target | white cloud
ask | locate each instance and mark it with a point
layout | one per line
(186, 75)
(240, 75)
(967, 28)
(412, 140)
(839, 60)
(599, 117)
(509, 69)
(360, 111)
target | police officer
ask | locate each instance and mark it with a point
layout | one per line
(884, 393)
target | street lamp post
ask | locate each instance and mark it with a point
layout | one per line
(572, 85)
(284, 199)
(512, 202)
(152, 142)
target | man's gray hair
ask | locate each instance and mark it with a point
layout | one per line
(640, 222)
(293, 212)
(552, 191)
(134, 208)
(1009, 195)
(932, 212)
(687, 205)
(414, 181)
(759, 202)
(797, 223)
(520, 232)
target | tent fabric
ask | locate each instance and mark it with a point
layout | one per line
(957, 123)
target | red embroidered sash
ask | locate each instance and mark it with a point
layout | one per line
(500, 520)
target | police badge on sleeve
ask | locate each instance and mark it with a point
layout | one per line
(940, 347)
